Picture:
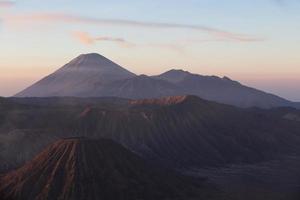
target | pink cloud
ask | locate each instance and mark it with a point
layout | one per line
(87, 39)
(75, 19)
(236, 37)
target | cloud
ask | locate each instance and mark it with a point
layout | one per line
(5, 4)
(223, 36)
(75, 19)
(86, 38)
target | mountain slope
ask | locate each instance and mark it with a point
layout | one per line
(222, 90)
(140, 87)
(180, 131)
(173, 75)
(78, 168)
(80, 77)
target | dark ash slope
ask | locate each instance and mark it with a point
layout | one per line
(84, 169)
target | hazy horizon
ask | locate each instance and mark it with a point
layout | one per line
(253, 42)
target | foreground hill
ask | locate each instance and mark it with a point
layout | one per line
(92, 75)
(179, 131)
(78, 168)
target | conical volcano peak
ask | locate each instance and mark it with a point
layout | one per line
(91, 56)
(79, 77)
(80, 168)
(92, 61)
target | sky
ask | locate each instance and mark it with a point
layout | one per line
(255, 42)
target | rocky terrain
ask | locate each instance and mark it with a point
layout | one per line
(224, 144)
(182, 131)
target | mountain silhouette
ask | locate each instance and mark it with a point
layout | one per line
(222, 90)
(80, 77)
(92, 75)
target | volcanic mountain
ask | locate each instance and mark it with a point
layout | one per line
(83, 76)
(79, 168)
(92, 75)
(141, 87)
(222, 90)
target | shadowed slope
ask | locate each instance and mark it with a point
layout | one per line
(180, 131)
(78, 168)
(187, 131)
(222, 90)
(140, 87)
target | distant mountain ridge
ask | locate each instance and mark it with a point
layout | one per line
(92, 75)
